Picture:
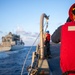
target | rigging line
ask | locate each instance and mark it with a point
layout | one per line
(28, 54)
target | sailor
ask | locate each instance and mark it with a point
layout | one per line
(47, 44)
(66, 35)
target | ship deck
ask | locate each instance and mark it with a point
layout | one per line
(51, 66)
(54, 62)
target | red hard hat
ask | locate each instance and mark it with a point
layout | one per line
(70, 11)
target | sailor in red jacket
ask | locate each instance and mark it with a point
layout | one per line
(66, 35)
(47, 44)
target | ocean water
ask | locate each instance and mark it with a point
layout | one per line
(11, 62)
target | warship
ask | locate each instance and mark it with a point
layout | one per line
(11, 42)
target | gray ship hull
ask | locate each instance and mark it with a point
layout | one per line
(15, 47)
(4, 49)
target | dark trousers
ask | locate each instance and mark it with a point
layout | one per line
(47, 48)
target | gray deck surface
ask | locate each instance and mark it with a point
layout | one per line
(54, 62)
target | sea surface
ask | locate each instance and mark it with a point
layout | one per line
(11, 62)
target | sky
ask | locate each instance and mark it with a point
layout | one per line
(23, 16)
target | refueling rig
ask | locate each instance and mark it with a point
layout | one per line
(39, 65)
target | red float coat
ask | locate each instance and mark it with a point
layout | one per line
(67, 53)
(47, 37)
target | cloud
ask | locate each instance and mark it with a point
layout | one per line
(35, 34)
(27, 37)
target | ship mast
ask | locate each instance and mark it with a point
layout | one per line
(41, 34)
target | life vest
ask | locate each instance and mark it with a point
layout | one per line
(67, 53)
(48, 37)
